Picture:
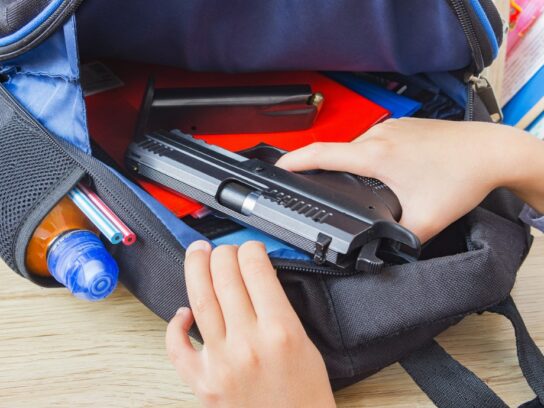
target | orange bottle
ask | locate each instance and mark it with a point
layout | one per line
(66, 247)
(63, 218)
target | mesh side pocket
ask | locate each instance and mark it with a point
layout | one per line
(30, 167)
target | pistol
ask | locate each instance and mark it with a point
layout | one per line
(339, 218)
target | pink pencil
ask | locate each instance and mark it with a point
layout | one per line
(129, 237)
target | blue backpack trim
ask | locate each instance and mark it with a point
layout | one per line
(32, 24)
(486, 24)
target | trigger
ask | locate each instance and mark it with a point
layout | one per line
(367, 260)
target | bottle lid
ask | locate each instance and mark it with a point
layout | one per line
(80, 261)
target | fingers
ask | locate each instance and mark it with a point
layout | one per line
(204, 303)
(180, 350)
(230, 289)
(267, 295)
(347, 157)
(315, 156)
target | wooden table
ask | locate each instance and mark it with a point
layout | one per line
(56, 351)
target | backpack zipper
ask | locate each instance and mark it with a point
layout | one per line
(469, 110)
(299, 266)
(41, 33)
(479, 85)
(468, 28)
(476, 83)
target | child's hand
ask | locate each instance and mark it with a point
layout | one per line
(439, 170)
(256, 352)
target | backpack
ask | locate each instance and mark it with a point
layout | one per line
(360, 322)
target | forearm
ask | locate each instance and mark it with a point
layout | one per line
(525, 168)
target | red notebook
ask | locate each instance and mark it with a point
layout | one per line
(112, 115)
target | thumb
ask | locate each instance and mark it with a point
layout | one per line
(180, 350)
(348, 157)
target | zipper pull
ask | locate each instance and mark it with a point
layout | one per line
(484, 90)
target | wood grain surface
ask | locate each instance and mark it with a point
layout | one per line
(56, 351)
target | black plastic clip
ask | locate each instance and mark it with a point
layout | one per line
(321, 248)
(367, 260)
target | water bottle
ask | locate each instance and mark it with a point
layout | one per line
(66, 246)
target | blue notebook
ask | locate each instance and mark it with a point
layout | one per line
(537, 127)
(274, 247)
(528, 103)
(398, 105)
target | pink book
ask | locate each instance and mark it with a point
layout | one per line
(524, 13)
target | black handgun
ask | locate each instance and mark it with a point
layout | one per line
(338, 217)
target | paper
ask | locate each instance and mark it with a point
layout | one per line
(524, 61)
(537, 127)
(529, 11)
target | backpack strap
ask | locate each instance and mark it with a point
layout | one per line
(450, 384)
(530, 357)
(532, 404)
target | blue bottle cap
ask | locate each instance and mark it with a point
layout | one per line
(79, 260)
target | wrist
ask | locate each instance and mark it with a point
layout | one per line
(499, 155)
(522, 165)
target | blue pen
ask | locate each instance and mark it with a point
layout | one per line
(112, 233)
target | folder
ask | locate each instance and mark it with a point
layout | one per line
(398, 105)
(527, 104)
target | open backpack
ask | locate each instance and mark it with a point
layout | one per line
(360, 322)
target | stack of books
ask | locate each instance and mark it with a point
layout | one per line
(523, 89)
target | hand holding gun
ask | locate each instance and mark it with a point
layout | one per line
(338, 217)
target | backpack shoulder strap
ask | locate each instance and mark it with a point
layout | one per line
(530, 357)
(450, 384)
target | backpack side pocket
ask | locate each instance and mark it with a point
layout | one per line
(35, 173)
